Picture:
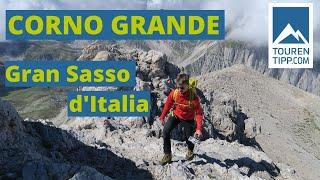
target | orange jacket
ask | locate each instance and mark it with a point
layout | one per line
(182, 109)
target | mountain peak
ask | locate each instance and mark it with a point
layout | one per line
(287, 31)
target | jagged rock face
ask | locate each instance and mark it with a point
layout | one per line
(42, 151)
(176, 50)
(225, 118)
(37, 150)
(11, 134)
(154, 73)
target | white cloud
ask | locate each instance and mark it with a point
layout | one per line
(246, 18)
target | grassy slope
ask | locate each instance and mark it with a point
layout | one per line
(37, 102)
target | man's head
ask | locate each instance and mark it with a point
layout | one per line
(182, 82)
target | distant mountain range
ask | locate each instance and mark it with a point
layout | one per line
(197, 57)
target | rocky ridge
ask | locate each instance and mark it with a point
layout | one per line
(122, 148)
(289, 117)
(139, 139)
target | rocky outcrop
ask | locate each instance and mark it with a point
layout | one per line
(214, 158)
(130, 148)
(223, 117)
(154, 73)
(37, 150)
(287, 115)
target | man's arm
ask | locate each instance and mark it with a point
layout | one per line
(167, 106)
(199, 115)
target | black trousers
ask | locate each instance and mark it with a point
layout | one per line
(173, 122)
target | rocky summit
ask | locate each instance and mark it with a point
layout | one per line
(234, 146)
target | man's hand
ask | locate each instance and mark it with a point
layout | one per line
(198, 134)
(162, 121)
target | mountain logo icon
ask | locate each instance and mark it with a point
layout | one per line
(288, 32)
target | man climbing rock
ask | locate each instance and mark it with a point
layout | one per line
(185, 110)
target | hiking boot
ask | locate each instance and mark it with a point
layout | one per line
(189, 155)
(166, 159)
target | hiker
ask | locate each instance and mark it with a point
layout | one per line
(185, 110)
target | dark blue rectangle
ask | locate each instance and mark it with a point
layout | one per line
(86, 110)
(106, 17)
(296, 18)
(91, 66)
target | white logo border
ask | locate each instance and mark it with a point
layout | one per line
(270, 35)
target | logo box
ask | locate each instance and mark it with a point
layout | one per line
(290, 35)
